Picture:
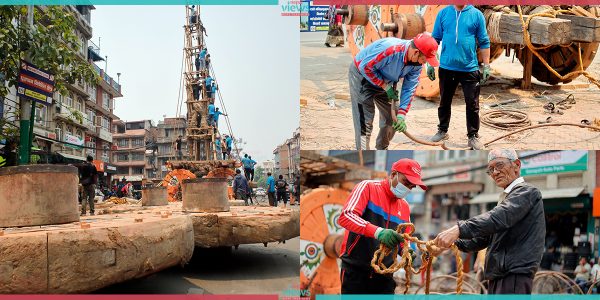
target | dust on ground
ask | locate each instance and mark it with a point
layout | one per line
(326, 119)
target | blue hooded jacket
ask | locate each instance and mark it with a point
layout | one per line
(460, 33)
(384, 62)
(211, 109)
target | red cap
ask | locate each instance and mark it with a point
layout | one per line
(411, 169)
(428, 46)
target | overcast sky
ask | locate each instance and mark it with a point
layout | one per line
(255, 55)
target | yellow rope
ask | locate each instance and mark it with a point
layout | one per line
(428, 250)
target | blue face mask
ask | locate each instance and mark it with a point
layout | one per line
(399, 190)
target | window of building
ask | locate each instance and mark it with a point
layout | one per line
(78, 105)
(92, 92)
(40, 115)
(68, 101)
(123, 143)
(137, 156)
(105, 100)
(105, 123)
(123, 170)
(91, 115)
(138, 142)
(123, 157)
(138, 171)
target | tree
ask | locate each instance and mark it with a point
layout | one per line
(260, 176)
(51, 44)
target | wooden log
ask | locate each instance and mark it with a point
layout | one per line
(527, 70)
(543, 31)
(583, 29)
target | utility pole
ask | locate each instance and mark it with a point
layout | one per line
(27, 112)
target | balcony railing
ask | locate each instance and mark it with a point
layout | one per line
(107, 79)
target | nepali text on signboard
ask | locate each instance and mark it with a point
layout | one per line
(35, 84)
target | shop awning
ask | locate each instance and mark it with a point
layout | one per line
(546, 194)
(70, 156)
(133, 177)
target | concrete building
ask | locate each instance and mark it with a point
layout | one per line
(131, 139)
(287, 157)
(83, 116)
(167, 132)
(268, 166)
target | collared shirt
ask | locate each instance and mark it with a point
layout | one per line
(513, 184)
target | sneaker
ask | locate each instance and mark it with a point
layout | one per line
(474, 143)
(440, 135)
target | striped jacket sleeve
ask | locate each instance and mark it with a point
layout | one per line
(350, 217)
(409, 86)
(371, 68)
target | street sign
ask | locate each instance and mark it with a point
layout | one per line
(35, 84)
(554, 162)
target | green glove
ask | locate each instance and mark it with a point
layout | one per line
(392, 93)
(486, 74)
(400, 124)
(390, 238)
(430, 72)
(413, 255)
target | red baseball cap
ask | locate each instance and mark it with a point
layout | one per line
(428, 46)
(411, 169)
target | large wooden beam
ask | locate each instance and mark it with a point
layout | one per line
(583, 29)
(543, 31)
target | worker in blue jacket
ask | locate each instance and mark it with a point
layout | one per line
(373, 77)
(461, 29)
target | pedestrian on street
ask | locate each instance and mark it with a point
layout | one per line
(247, 164)
(282, 186)
(370, 216)
(582, 273)
(211, 114)
(373, 77)
(271, 189)
(177, 147)
(252, 164)
(461, 29)
(513, 232)
(88, 179)
(216, 117)
(297, 189)
(240, 186)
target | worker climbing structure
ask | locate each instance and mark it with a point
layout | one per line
(201, 132)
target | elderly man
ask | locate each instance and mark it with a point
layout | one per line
(513, 231)
(371, 215)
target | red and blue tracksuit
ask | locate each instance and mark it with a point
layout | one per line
(384, 62)
(370, 205)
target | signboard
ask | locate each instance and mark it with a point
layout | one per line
(35, 84)
(69, 138)
(105, 135)
(316, 20)
(99, 165)
(554, 162)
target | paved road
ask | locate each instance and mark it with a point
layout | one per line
(251, 269)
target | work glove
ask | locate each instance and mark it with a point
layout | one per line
(392, 94)
(390, 238)
(413, 255)
(400, 124)
(430, 72)
(485, 75)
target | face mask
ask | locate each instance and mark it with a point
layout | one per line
(399, 190)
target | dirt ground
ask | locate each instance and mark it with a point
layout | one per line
(326, 116)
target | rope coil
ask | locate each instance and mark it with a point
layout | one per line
(428, 250)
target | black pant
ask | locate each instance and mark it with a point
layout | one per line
(281, 196)
(247, 173)
(251, 174)
(511, 284)
(469, 81)
(272, 201)
(365, 281)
